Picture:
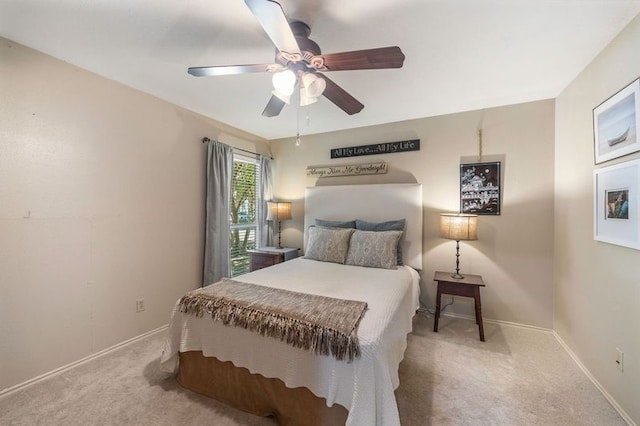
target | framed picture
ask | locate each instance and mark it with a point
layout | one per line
(480, 188)
(616, 204)
(615, 124)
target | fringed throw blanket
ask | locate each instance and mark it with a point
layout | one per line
(321, 324)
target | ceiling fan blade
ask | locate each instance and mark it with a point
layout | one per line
(274, 22)
(274, 106)
(383, 57)
(340, 97)
(233, 69)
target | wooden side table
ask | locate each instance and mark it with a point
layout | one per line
(469, 286)
(268, 256)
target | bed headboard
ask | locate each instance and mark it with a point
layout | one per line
(374, 203)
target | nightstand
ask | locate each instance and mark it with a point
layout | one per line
(268, 256)
(469, 286)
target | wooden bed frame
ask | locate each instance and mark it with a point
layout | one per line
(256, 394)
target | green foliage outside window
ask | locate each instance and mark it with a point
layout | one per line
(244, 198)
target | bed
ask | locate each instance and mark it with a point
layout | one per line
(266, 376)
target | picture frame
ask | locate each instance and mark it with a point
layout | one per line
(480, 188)
(616, 210)
(616, 122)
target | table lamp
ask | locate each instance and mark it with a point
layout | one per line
(458, 227)
(279, 211)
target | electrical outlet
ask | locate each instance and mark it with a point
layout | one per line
(139, 305)
(620, 359)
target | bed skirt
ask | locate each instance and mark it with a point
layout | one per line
(254, 393)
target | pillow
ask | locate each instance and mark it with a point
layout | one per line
(328, 244)
(336, 223)
(374, 249)
(391, 225)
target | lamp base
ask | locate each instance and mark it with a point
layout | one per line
(457, 275)
(279, 246)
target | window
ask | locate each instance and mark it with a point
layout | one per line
(245, 201)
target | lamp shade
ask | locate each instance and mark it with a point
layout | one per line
(313, 85)
(284, 82)
(459, 226)
(278, 210)
(305, 99)
(284, 98)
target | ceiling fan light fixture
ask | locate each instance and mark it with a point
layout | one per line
(313, 85)
(305, 99)
(284, 82)
(284, 98)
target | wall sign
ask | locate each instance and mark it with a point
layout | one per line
(348, 170)
(380, 148)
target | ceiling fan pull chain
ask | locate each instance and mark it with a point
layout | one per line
(298, 119)
(480, 137)
(479, 145)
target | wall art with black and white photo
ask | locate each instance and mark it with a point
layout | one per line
(480, 188)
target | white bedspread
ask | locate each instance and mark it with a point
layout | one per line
(365, 386)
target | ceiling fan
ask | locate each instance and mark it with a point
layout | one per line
(299, 60)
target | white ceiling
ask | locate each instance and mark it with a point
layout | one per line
(460, 54)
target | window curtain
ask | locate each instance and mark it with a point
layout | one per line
(266, 194)
(217, 229)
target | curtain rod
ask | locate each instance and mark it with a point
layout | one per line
(206, 139)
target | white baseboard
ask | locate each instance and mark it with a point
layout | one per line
(494, 321)
(597, 384)
(20, 386)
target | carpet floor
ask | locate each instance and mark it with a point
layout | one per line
(517, 377)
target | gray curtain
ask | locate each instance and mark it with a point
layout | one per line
(266, 194)
(217, 229)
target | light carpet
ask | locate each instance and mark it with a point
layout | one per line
(517, 377)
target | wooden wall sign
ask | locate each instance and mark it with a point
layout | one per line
(348, 170)
(380, 148)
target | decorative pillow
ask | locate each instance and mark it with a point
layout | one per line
(391, 225)
(374, 249)
(328, 244)
(336, 223)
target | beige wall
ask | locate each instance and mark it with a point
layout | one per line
(597, 285)
(101, 203)
(514, 253)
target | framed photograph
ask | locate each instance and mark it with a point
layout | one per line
(480, 188)
(615, 124)
(616, 204)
